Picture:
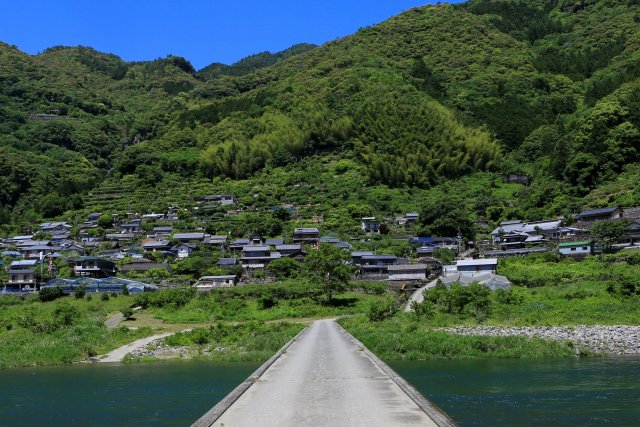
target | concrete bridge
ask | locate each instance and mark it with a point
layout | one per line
(324, 377)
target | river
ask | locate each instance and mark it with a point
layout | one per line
(588, 391)
(558, 392)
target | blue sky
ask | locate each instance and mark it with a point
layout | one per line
(203, 31)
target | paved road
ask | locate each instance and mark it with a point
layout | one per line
(324, 379)
(417, 295)
(114, 320)
(118, 354)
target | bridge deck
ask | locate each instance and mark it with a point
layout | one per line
(327, 378)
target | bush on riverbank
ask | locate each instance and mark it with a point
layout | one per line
(59, 332)
(249, 341)
(291, 299)
(598, 291)
(404, 338)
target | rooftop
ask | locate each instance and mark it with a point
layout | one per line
(474, 262)
(572, 244)
(596, 212)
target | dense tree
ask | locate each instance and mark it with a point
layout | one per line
(329, 265)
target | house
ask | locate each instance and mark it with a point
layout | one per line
(16, 239)
(476, 267)
(183, 251)
(219, 199)
(74, 249)
(329, 239)
(91, 266)
(189, 237)
(632, 232)
(257, 256)
(515, 252)
(39, 251)
(274, 242)
(490, 280)
(306, 235)
(238, 244)
(408, 272)
(514, 178)
(132, 227)
(142, 265)
(602, 214)
(156, 245)
(227, 262)
(576, 249)
(27, 243)
(217, 240)
(370, 225)
(54, 227)
(410, 218)
(377, 265)
(23, 264)
(343, 245)
(290, 250)
(153, 216)
(163, 231)
(93, 217)
(356, 257)
(12, 254)
(22, 277)
(119, 237)
(207, 283)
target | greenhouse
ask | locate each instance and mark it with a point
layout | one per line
(109, 284)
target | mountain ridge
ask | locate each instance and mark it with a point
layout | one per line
(434, 94)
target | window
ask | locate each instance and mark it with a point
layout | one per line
(585, 248)
(573, 249)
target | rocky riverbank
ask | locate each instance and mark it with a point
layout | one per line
(159, 350)
(599, 339)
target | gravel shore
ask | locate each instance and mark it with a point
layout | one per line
(599, 339)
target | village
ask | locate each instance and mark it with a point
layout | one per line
(144, 252)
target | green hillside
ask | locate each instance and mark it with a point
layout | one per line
(428, 107)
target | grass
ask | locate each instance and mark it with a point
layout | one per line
(290, 300)
(34, 333)
(235, 342)
(404, 337)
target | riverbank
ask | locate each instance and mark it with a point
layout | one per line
(619, 340)
(405, 337)
(222, 341)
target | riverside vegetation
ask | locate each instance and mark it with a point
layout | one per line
(252, 322)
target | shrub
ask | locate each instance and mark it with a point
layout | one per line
(459, 299)
(50, 294)
(267, 301)
(174, 297)
(508, 297)
(425, 309)
(80, 292)
(65, 314)
(104, 297)
(382, 309)
(127, 313)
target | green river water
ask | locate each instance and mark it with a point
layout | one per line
(572, 392)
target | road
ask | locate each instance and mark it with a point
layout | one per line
(325, 379)
(118, 354)
(417, 295)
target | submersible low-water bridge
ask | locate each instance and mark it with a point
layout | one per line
(324, 377)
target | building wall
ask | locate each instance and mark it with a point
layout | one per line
(580, 250)
(475, 270)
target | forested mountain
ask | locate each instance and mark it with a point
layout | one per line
(550, 88)
(253, 62)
